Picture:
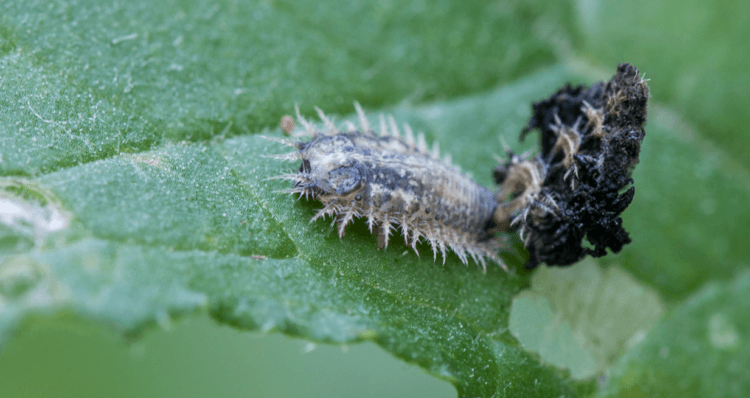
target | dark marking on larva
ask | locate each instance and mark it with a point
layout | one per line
(393, 182)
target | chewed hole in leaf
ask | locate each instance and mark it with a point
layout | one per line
(583, 317)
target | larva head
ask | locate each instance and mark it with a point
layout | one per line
(330, 166)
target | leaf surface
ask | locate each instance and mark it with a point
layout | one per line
(134, 183)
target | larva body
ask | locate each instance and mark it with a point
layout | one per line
(393, 181)
(576, 188)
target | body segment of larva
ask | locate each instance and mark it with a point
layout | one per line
(394, 182)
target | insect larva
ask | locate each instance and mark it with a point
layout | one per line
(393, 182)
(571, 191)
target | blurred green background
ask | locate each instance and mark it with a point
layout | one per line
(198, 358)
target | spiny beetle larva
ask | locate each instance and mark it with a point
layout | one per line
(574, 189)
(393, 181)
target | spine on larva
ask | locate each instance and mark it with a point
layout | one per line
(393, 182)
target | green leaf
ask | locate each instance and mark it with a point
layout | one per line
(689, 215)
(189, 226)
(689, 51)
(699, 350)
(134, 187)
(581, 318)
(90, 79)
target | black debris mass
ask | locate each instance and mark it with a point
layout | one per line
(590, 140)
